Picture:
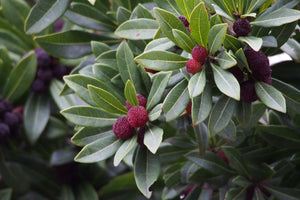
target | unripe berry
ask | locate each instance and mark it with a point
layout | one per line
(137, 116)
(193, 66)
(122, 129)
(141, 99)
(242, 27)
(248, 93)
(199, 53)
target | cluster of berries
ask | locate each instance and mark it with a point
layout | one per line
(199, 55)
(137, 116)
(10, 120)
(259, 65)
(185, 22)
(48, 68)
(242, 27)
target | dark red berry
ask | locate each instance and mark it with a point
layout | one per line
(43, 59)
(248, 93)
(141, 135)
(122, 129)
(184, 20)
(268, 80)
(141, 99)
(188, 110)
(11, 119)
(5, 106)
(45, 74)
(242, 27)
(151, 70)
(193, 66)
(4, 130)
(199, 53)
(137, 116)
(59, 71)
(237, 72)
(39, 86)
(222, 155)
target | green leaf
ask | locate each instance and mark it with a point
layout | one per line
(253, 5)
(87, 191)
(127, 67)
(216, 37)
(5, 66)
(43, 14)
(6, 194)
(221, 12)
(232, 43)
(236, 194)
(199, 25)
(137, 29)
(141, 12)
(159, 44)
(226, 82)
(89, 116)
(36, 116)
(183, 40)
(99, 47)
(56, 128)
(270, 96)
(146, 170)
(20, 78)
(108, 58)
(13, 42)
(122, 15)
(106, 100)
(72, 44)
(161, 60)
(243, 113)
(269, 41)
(221, 114)
(168, 5)
(98, 150)
(277, 18)
(201, 106)
(187, 6)
(153, 138)
(155, 113)
(225, 60)
(229, 132)
(62, 102)
(168, 21)
(254, 42)
(88, 135)
(130, 94)
(284, 193)
(292, 47)
(242, 60)
(176, 101)
(124, 149)
(241, 181)
(197, 84)
(104, 72)
(202, 137)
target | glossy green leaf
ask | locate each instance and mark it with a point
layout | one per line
(176, 101)
(269, 41)
(89, 116)
(292, 47)
(197, 84)
(169, 5)
(183, 40)
(187, 6)
(242, 60)
(130, 94)
(199, 25)
(6, 194)
(146, 170)
(270, 96)
(155, 113)
(153, 138)
(243, 114)
(161, 60)
(137, 29)
(5, 66)
(284, 193)
(125, 148)
(36, 116)
(241, 181)
(122, 15)
(10, 39)
(62, 102)
(159, 44)
(220, 11)
(232, 43)
(221, 114)
(202, 137)
(21, 77)
(104, 72)
(99, 47)
(201, 105)
(229, 132)
(236, 194)
(254, 42)
(108, 58)
(56, 128)
(43, 14)
(226, 82)
(216, 37)
(106, 100)
(141, 12)
(225, 60)
(87, 191)
(254, 5)
(72, 44)
(98, 150)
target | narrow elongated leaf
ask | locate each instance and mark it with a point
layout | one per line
(197, 84)
(9, 39)
(221, 114)
(141, 12)
(292, 47)
(99, 47)
(183, 40)
(187, 6)
(146, 170)
(225, 60)
(108, 58)
(153, 138)
(124, 149)
(241, 58)
(221, 12)
(87, 191)
(270, 96)
(176, 101)
(20, 78)
(254, 42)
(159, 44)
(199, 25)
(232, 43)
(229, 132)
(243, 113)
(155, 113)
(277, 18)
(130, 94)
(254, 5)
(226, 82)
(168, 5)
(99, 150)
(202, 137)
(6, 194)
(236, 194)
(36, 116)
(88, 135)
(137, 29)
(106, 100)
(43, 14)
(161, 60)
(5, 66)
(216, 37)
(89, 116)
(72, 44)
(62, 102)
(284, 193)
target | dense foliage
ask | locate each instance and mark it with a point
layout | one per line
(163, 99)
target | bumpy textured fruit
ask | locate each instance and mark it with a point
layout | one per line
(141, 99)
(188, 110)
(199, 53)
(137, 116)
(4, 130)
(59, 71)
(242, 27)
(122, 129)
(5, 106)
(237, 72)
(44, 60)
(248, 93)
(11, 119)
(141, 135)
(45, 74)
(184, 20)
(39, 86)
(259, 64)
(193, 66)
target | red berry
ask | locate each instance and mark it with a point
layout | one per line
(141, 99)
(151, 70)
(188, 110)
(199, 53)
(242, 27)
(193, 66)
(122, 129)
(248, 93)
(137, 116)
